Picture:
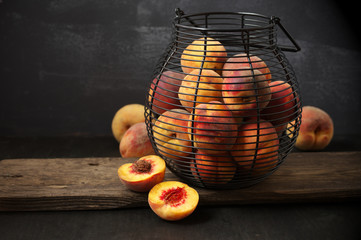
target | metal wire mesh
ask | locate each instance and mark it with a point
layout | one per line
(224, 106)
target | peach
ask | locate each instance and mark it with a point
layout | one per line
(243, 61)
(135, 142)
(282, 108)
(203, 53)
(173, 200)
(125, 117)
(212, 127)
(200, 88)
(316, 130)
(143, 174)
(171, 135)
(166, 91)
(257, 147)
(213, 169)
(245, 92)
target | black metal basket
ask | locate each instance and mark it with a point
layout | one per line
(224, 107)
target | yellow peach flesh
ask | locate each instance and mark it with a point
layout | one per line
(142, 181)
(169, 207)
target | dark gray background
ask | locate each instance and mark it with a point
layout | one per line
(67, 66)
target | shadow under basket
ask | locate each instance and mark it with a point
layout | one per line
(223, 108)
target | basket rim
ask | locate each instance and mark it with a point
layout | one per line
(185, 16)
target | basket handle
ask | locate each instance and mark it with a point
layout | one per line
(295, 47)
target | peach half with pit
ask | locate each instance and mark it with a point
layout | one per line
(257, 147)
(143, 174)
(125, 117)
(200, 87)
(163, 92)
(316, 130)
(205, 53)
(212, 127)
(135, 142)
(283, 106)
(171, 135)
(246, 92)
(244, 61)
(173, 200)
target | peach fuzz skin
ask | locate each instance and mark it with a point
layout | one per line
(213, 169)
(166, 91)
(242, 61)
(245, 93)
(246, 147)
(211, 50)
(142, 181)
(212, 127)
(171, 135)
(316, 130)
(282, 108)
(173, 200)
(125, 117)
(197, 89)
(135, 142)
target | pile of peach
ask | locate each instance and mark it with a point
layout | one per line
(221, 114)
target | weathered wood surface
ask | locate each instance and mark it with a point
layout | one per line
(92, 183)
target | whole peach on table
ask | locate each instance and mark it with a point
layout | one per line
(257, 147)
(173, 200)
(283, 106)
(165, 96)
(135, 142)
(171, 135)
(126, 117)
(316, 130)
(206, 53)
(213, 169)
(143, 174)
(200, 87)
(245, 92)
(212, 127)
(244, 61)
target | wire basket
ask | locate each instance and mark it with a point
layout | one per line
(223, 108)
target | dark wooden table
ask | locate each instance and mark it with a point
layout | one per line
(310, 218)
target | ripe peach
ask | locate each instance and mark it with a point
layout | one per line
(316, 130)
(200, 88)
(212, 127)
(213, 168)
(209, 51)
(143, 174)
(173, 200)
(166, 91)
(171, 135)
(282, 108)
(135, 142)
(257, 147)
(245, 92)
(242, 61)
(125, 117)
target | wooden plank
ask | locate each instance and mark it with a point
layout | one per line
(92, 183)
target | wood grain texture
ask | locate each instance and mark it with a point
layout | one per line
(92, 183)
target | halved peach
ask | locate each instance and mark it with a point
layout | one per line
(173, 200)
(143, 174)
